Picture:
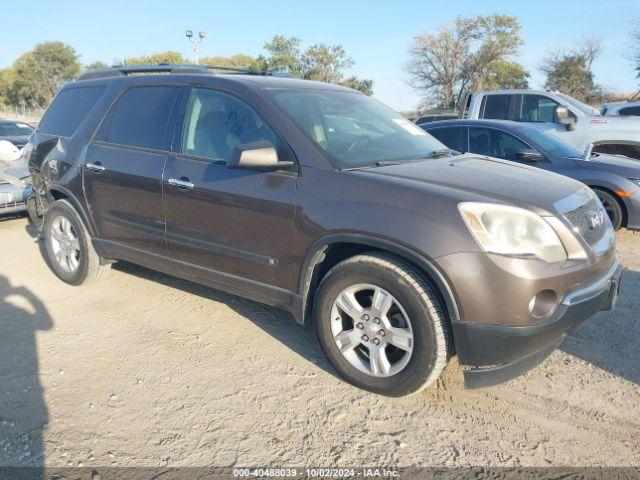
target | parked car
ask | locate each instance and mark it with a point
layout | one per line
(399, 249)
(435, 116)
(615, 179)
(15, 183)
(17, 133)
(621, 109)
(559, 115)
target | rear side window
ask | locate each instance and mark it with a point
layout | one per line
(140, 117)
(452, 137)
(495, 107)
(630, 111)
(69, 109)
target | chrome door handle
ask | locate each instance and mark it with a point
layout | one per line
(178, 182)
(96, 167)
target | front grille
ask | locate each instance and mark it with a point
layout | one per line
(589, 221)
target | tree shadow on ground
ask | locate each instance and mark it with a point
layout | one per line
(273, 321)
(23, 411)
(611, 340)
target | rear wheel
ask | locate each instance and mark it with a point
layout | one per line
(71, 255)
(381, 325)
(611, 206)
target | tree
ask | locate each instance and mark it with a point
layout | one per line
(471, 54)
(635, 52)
(169, 57)
(239, 60)
(36, 75)
(94, 65)
(570, 71)
(320, 62)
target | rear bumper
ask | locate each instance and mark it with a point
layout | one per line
(13, 199)
(497, 353)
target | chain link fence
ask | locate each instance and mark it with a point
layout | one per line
(21, 113)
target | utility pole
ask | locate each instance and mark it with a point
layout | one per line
(195, 43)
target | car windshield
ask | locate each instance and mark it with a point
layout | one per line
(549, 144)
(583, 107)
(354, 130)
(11, 128)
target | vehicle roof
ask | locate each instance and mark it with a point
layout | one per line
(257, 82)
(515, 91)
(460, 122)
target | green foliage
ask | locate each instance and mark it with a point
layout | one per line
(239, 60)
(471, 54)
(35, 76)
(170, 57)
(95, 65)
(570, 71)
(320, 62)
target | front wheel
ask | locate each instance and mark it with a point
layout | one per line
(70, 253)
(381, 325)
(612, 207)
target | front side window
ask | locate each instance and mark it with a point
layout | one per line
(69, 108)
(140, 117)
(538, 108)
(495, 107)
(452, 137)
(216, 123)
(353, 130)
(495, 143)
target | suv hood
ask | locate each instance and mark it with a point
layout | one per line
(470, 177)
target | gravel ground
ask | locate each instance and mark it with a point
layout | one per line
(148, 370)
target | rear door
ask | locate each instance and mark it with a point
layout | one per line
(123, 171)
(226, 227)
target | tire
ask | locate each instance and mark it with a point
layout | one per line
(71, 256)
(414, 310)
(32, 213)
(612, 206)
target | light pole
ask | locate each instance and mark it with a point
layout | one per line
(195, 43)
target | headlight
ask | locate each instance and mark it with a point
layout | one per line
(512, 231)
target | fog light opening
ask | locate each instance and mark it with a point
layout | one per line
(543, 303)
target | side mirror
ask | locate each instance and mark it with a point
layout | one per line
(563, 116)
(529, 155)
(260, 155)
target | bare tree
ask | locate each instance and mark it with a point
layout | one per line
(463, 56)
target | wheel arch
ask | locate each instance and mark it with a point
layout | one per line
(623, 207)
(330, 250)
(57, 192)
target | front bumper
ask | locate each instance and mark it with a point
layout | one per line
(497, 353)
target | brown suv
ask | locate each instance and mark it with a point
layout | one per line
(321, 201)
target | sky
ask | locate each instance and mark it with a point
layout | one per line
(376, 34)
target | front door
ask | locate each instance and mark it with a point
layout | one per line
(123, 171)
(230, 228)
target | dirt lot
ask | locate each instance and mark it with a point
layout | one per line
(147, 370)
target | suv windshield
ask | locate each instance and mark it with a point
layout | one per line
(549, 144)
(354, 130)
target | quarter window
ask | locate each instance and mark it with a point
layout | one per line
(140, 117)
(68, 110)
(537, 108)
(216, 123)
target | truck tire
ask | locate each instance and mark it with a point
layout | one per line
(70, 253)
(381, 325)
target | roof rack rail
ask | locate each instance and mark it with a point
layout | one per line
(125, 70)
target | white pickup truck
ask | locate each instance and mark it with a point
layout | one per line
(560, 115)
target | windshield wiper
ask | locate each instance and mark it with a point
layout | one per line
(384, 163)
(444, 152)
